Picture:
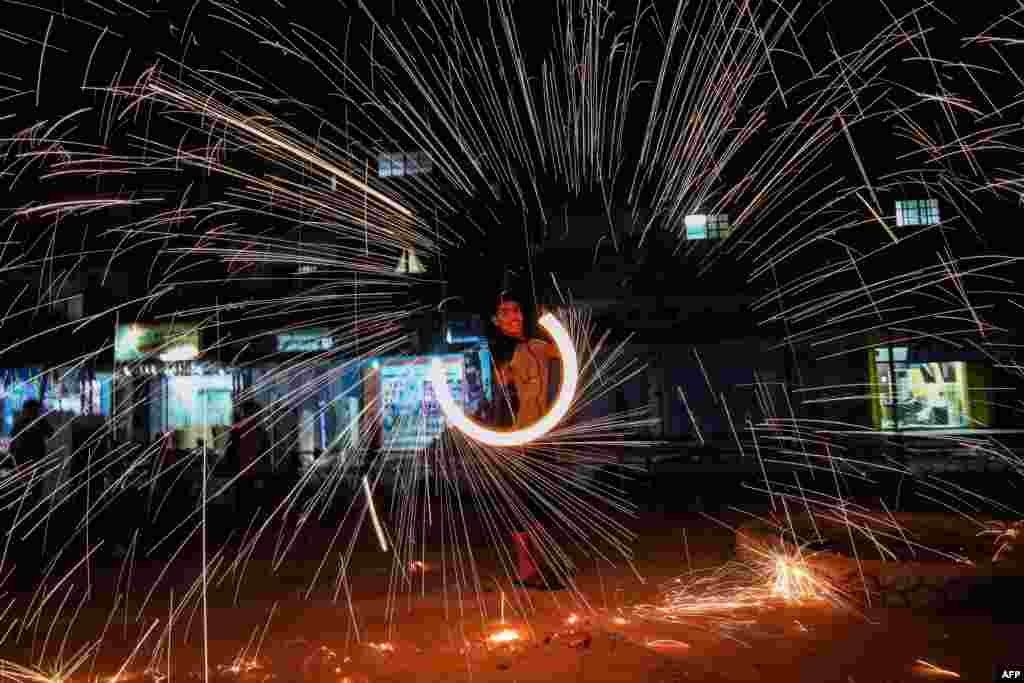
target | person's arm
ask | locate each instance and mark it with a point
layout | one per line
(502, 374)
(547, 349)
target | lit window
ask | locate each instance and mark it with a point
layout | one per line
(915, 393)
(412, 163)
(390, 165)
(899, 354)
(384, 165)
(718, 226)
(306, 269)
(917, 212)
(703, 227)
(696, 227)
(401, 164)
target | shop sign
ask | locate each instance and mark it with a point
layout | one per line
(305, 341)
(173, 342)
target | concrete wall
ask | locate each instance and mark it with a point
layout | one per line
(730, 365)
(834, 388)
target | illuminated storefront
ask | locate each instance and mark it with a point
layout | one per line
(306, 340)
(915, 391)
(185, 395)
(164, 342)
(317, 404)
(67, 395)
(409, 412)
(194, 406)
(73, 392)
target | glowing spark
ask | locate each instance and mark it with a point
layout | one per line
(928, 669)
(1006, 536)
(241, 666)
(273, 139)
(381, 538)
(504, 636)
(669, 643)
(570, 377)
(793, 581)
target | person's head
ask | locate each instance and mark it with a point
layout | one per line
(508, 317)
(31, 409)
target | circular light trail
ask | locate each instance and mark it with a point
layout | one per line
(570, 377)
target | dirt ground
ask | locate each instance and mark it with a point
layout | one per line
(594, 636)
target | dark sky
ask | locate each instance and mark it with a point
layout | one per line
(189, 30)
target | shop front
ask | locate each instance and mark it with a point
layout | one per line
(313, 408)
(917, 388)
(68, 392)
(194, 403)
(160, 374)
(408, 413)
(75, 402)
(317, 405)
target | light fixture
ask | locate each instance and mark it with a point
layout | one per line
(409, 263)
(181, 352)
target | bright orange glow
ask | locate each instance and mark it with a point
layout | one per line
(507, 635)
(239, 666)
(928, 669)
(668, 643)
(793, 581)
(570, 377)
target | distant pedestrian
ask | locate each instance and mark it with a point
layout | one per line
(30, 434)
(29, 446)
(28, 450)
(247, 458)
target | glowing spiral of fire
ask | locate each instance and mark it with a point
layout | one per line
(570, 378)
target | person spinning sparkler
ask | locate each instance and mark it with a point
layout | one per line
(522, 367)
(522, 380)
